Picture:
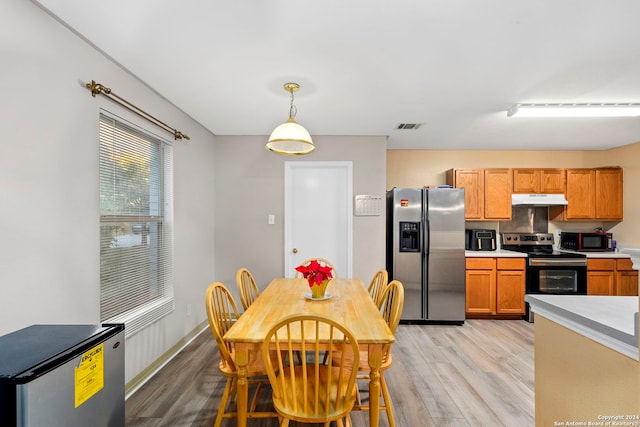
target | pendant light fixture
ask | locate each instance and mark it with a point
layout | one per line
(290, 138)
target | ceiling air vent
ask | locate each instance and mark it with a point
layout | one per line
(409, 126)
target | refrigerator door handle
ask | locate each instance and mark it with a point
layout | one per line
(427, 237)
(426, 232)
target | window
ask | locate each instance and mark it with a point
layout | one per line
(136, 274)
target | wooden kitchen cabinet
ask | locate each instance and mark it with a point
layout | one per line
(487, 192)
(608, 183)
(510, 284)
(593, 194)
(611, 276)
(601, 276)
(626, 278)
(481, 286)
(539, 181)
(498, 186)
(472, 180)
(581, 194)
(495, 286)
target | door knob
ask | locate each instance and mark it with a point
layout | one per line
(295, 250)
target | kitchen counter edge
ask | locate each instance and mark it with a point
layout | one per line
(609, 320)
(499, 253)
(599, 254)
(503, 253)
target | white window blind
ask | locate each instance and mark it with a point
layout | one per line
(136, 274)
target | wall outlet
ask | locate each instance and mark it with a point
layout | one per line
(271, 219)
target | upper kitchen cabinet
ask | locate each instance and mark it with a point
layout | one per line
(543, 181)
(609, 204)
(498, 186)
(581, 194)
(472, 180)
(593, 194)
(487, 192)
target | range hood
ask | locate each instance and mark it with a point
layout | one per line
(539, 199)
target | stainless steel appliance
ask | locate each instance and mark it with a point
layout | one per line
(480, 240)
(592, 242)
(62, 375)
(548, 271)
(425, 251)
(538, 200)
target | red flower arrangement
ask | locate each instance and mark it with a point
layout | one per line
(315, 273)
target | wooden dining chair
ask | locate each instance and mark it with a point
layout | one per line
(247, 287)
(222, 313)
(311, 392)
(321, 261)
(391, 305)
(378, 285)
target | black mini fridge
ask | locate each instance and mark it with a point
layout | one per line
(62, 375)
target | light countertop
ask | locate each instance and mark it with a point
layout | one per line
(609, 320)
(499, 253)
(599, 254)
(503, 253)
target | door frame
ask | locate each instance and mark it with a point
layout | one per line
(288, 205)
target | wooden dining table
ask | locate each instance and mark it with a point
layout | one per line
(349, 304)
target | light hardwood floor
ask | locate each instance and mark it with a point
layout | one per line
(478, 374)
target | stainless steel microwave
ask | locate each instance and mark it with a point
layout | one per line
(594, 242)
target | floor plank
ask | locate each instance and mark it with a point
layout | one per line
(478, 374)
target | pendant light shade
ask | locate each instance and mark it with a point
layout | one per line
(290, 138)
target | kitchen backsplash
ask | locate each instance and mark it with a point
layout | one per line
(535, 219)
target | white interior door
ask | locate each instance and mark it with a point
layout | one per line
(318, 214)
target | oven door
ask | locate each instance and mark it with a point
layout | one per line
(562, 276)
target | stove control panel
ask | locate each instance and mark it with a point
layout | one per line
(527, 239)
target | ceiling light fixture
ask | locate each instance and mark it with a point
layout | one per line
(290, 138)
(574, 110)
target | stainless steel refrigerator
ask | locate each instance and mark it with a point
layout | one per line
(62, 375)
(425, 251)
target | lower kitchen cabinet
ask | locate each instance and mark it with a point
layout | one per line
(495, 286)
(611, 276)
(601, 276)
(626, 278)
(481, 286)
(510, 283)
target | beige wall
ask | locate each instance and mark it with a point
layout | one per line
(249, 185)
(577, 379)
(627, 233)
(50, 194)
(416, 168)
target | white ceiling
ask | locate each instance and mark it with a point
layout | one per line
(365, 66)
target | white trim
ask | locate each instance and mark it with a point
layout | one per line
(139, 318)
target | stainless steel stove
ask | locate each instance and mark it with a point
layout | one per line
(548, 271)
(535, 244)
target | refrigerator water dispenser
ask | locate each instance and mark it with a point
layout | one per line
(409, 236)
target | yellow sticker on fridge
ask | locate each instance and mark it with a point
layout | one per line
(89, 376)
